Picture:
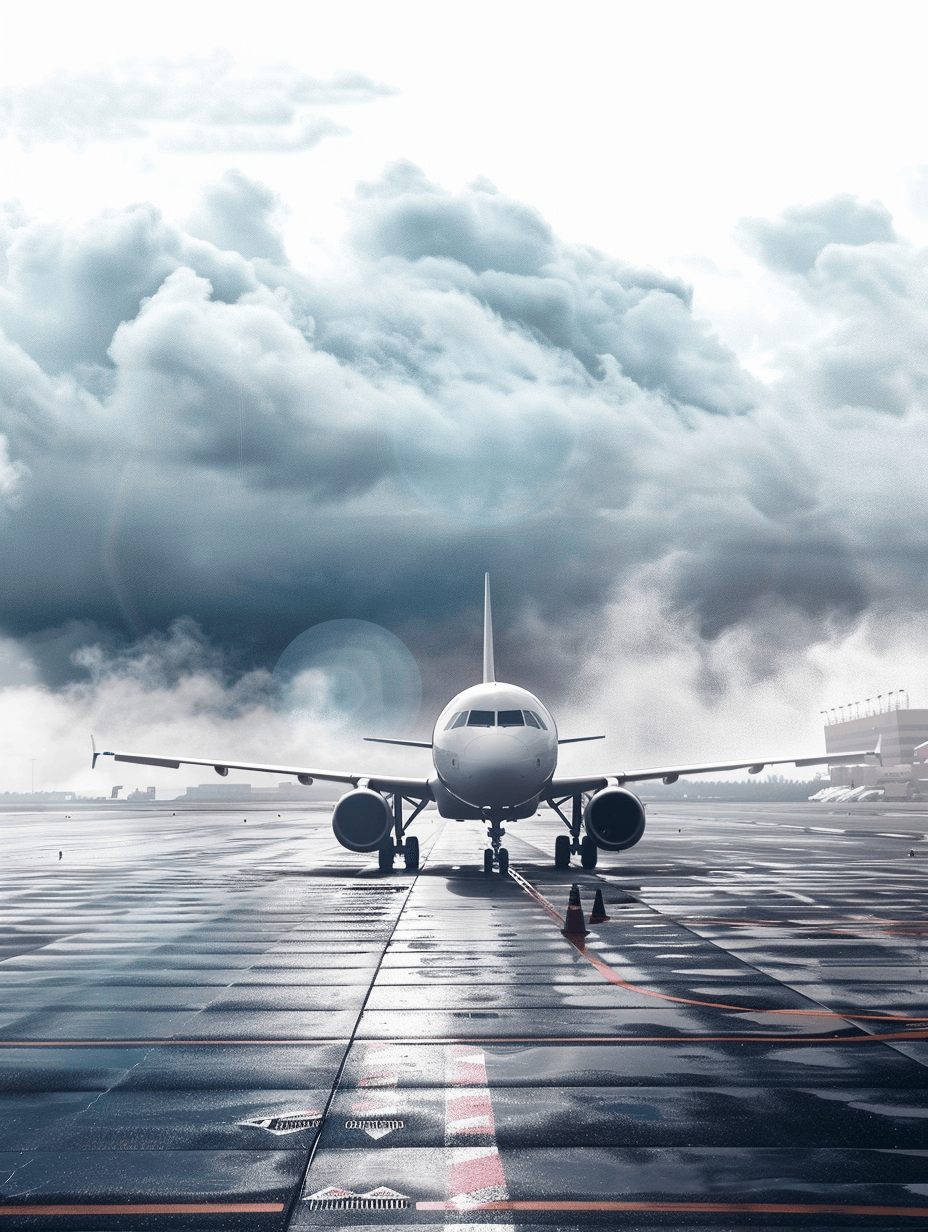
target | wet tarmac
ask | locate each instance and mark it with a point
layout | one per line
(215, 1022)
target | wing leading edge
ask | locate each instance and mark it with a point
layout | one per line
(377, 782)
(670, 774)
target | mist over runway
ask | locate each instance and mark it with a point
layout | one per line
(216, 1018)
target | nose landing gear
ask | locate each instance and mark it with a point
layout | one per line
(495, 853)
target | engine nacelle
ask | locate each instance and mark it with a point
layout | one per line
(362, 820)
(614, 819)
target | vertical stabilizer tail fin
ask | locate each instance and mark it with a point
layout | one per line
(489, 669)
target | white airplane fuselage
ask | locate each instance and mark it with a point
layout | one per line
(494, 748)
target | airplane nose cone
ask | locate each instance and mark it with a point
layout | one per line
(496, 750)
(497, 770)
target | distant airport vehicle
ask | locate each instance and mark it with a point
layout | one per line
(494, 754)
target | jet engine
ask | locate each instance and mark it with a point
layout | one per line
(614, 819)
(362, 820)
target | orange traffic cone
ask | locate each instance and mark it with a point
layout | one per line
(598, 914)
(574, 925)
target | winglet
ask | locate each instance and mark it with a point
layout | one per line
(93, 745)
(876, 752)
(489, 670)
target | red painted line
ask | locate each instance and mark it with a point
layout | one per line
(863, 1038)
(613, 977)
(723, 1208)
(163, 1043)
(151, 1208)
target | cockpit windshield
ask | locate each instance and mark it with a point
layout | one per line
(493, 718)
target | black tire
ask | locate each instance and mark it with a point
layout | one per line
(562, 851)
(488, 861)
(385, 857)
(588, 852)
(503, 862)
(411, 854)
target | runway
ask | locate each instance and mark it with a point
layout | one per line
(221, 1019)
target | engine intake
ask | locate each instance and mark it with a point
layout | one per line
(362, 820)
(614, 819)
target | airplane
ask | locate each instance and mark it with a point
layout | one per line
(494, 754)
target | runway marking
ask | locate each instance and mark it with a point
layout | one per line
(723, 1208)
(286, 1122)
(381, 1066)
(475, 1174)
(334, 1198)
(149, 1208)
(377, 1082)
(613, 977)
(468, 1111)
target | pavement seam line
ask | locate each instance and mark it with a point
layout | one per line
(351, 1039)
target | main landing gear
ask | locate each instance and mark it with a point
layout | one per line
(567, 845)
(495, 853)
(409, 847)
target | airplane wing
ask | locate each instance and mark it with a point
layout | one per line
(670, 774)
(418, 788)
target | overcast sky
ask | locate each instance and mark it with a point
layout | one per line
(317, 312)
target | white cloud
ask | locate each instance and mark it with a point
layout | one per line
(13, 475)
(197, 105)
(170, 694)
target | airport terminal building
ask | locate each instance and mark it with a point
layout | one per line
(900, 732)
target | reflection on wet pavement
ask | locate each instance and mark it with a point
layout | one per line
(202, 1028)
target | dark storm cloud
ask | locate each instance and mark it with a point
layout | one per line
(194, 428)
(793, 242)
(196, 105)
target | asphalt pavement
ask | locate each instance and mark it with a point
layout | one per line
(220, 1019)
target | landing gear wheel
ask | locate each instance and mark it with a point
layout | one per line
(488, 861)
(411, 854)
(502, 861)
(385, 857)
(588, 852)
(562, 851)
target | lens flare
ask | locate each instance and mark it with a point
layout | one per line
(351, 674)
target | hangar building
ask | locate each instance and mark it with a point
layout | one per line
(900, 732)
